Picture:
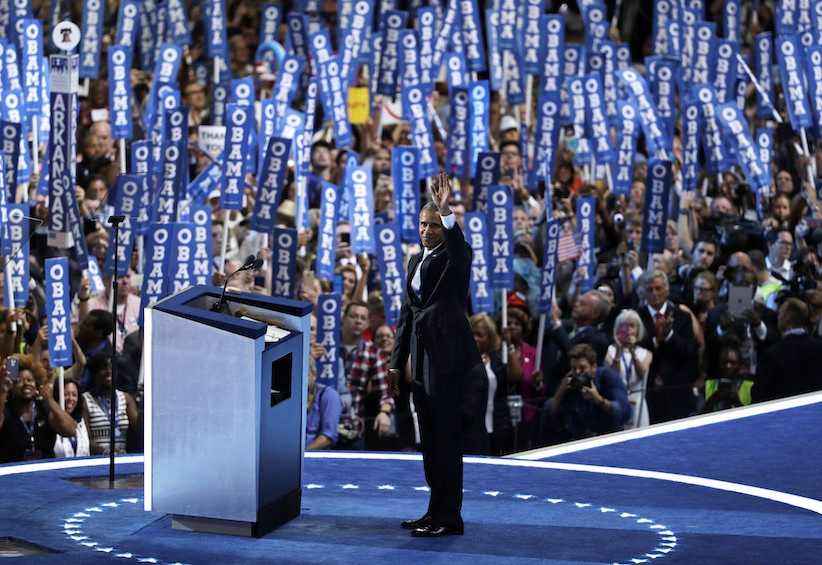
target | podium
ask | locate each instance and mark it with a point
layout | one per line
(225, 410)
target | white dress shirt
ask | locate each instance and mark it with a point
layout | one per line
(416, 280)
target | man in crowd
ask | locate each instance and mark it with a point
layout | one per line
(365, 374)
(669, 335)
(794, 364)
(590, 400)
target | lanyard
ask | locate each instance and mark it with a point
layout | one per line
(629, 367)
(30, 425)
(103, 402)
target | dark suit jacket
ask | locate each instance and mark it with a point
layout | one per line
(675, 359)
(438, 317)
(792, 366)
(673, 369)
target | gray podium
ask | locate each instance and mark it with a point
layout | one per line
(225, 410)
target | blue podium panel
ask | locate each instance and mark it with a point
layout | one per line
(225, 397)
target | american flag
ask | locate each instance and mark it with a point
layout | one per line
(568, 245)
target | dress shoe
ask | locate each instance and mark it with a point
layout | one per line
(413, 524)
(437, 531)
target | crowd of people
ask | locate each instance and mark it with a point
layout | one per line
(728, 314)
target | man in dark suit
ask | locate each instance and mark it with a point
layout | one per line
(588, 314)
(435, 332)
(794, 364)
(669, 335)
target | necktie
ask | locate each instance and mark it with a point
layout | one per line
(658, 321)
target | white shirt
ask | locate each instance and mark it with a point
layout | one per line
(416, 280)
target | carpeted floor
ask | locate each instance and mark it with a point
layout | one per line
(581, 507)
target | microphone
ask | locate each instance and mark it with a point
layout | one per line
(251, 262)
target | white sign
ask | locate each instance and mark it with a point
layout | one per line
(66, 35)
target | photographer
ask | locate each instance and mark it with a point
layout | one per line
(589, 400)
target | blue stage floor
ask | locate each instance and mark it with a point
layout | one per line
(744, 489)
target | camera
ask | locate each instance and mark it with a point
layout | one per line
(579, 381)
(796, 287)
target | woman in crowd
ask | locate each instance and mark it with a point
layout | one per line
(497, 416)
(521, 359)
(78, 444)
(30, 418)
(99, 409)
(632, 362)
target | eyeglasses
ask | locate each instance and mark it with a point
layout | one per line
(703, 289)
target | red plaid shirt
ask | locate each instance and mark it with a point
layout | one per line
(365, 371)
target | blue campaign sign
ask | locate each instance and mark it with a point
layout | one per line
(531, 36)
(119, 92)
(586, 226)
(128, 23)
(488, 173)
(406, 177)
(271, 185)
(655, 212)
(456, 159)
(329, 318)
(391, 269)
(283, 262)
(662, 75)
(736, 126)
(692, 130)
(552, 32)
(479, 98)
(546, 139)
(32, 58)
(239, 122)
(58, 310)
(472, 35)
(181, 266)
(175, 160)
(155, 270)
(717, 159)
(286, 86)
(726, 64)
(200, 216)
(764, 148)
(501, 235)
(92, 34)
(446, 31)
(394, 22)
(476, 234)
(270, 19)
(596, 121)
(17, 263)
(649, 117)
(219, 100)
(414, 108)
(127, 198)
(327, 236)
(553, 229)
(763, 68)
(409, 73)
(426, 30)
(177, 22)
(623, 173)
(362, 210)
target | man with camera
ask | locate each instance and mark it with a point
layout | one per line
(589, 400)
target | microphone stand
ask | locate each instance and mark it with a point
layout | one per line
(251, 262)
(114, 221)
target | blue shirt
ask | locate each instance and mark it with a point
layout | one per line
(324, 415)
(579, 418)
